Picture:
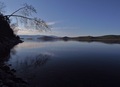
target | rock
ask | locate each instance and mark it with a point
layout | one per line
(7, 41)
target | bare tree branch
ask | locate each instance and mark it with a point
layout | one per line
(26, 10)
(24, 17)
(38, 23)
(15, 12)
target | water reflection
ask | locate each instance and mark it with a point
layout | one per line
(31, 45)
(28, 61)
(65, 64)
(105, 41)
(28, 68)
(7, 75)
(4, 54)
(32, 62)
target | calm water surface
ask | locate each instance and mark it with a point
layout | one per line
(67, 64)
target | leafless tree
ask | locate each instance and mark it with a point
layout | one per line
(23, 17)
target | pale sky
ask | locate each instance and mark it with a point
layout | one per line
(74, 17)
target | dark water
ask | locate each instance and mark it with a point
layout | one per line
(67, 64)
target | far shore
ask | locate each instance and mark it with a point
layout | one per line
(105, 39)
(110, 39)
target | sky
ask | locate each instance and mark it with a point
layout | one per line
(74, 17)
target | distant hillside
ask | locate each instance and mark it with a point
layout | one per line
(105, 39)
(38, 37)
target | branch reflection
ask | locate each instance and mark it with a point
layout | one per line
(29, 67)
(33, 61)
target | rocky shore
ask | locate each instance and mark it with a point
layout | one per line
(7, 75)
(9, 79)
(7, 41)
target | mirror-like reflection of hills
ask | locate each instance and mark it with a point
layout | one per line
(31, 45)
(27, 60)
(71, 63)
(24, 65)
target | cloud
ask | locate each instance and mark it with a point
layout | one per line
(51, 23)
(65, 28)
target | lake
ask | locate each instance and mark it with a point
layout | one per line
(67, 63)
